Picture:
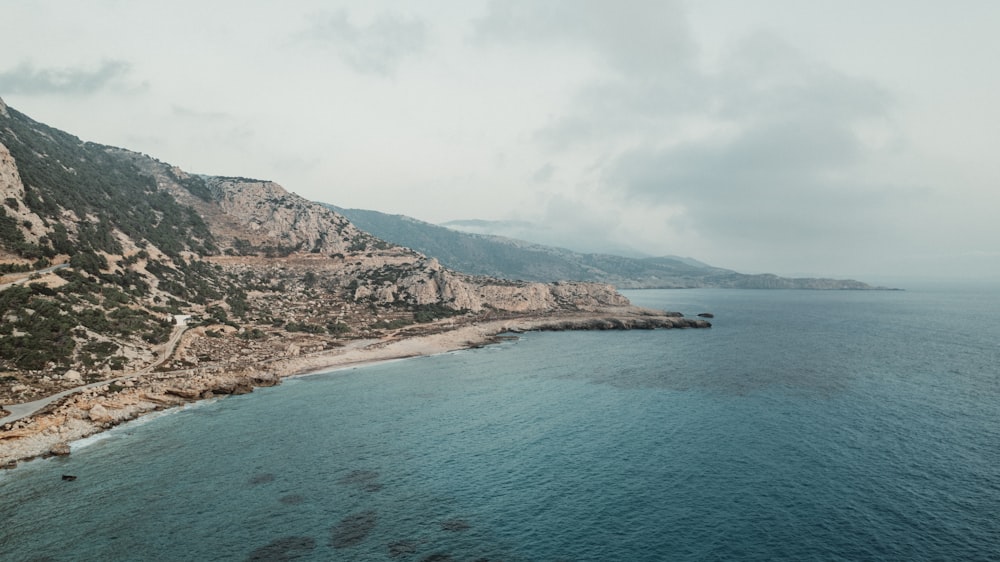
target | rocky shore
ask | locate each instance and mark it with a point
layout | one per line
(51, 430)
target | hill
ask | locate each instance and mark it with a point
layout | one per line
(484, 254)
(105, 253)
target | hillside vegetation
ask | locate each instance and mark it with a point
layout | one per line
(102, 250)
(481, 254)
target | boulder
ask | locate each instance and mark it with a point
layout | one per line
(72, 375)
(100, 414)
(60, 449)
(189, 393)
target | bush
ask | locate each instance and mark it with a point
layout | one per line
(337, 328)
(304, 327)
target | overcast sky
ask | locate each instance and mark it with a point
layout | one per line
(851, 138)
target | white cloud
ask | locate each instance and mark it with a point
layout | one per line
(26, 78)
(376, 48)
(766, 136)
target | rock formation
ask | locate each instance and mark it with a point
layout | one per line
(12, 197)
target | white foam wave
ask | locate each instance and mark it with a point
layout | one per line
(127, 427)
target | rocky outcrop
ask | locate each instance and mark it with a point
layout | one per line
(622, 323)
(199, 387)
(100, 414)
(276, 217)
(424, 281)
(3, 109)
(60, 449)
(12, 197)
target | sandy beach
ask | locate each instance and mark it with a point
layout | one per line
(51, 430)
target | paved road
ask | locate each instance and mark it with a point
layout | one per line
(19, 411)
(28, 275)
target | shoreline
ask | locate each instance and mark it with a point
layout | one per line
(89, 411)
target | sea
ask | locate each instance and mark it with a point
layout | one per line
(804, 425)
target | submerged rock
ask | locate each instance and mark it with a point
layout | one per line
(353, 529)
(285, 548)
(454, 525)
(437, 557)
(402, 548)
(363, 479)
(262, 478)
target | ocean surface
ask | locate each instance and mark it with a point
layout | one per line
(804, 425)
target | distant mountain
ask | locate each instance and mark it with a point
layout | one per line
(480, 226)
(484, 254)
(540, 233)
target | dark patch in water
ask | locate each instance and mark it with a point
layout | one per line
(361, 479)
(285, 548)
(262, 478)
(352, 529)
(292, 499)
(358, 477)
(402, 548)
(454, 525)
(437, 557)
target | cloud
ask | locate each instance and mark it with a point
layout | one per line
(629, 36)
(377, 48)
(26, 78)
(544, 173)
(183, 112)
(765, 147)
(789, 157)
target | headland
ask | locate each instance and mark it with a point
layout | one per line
(94, 408)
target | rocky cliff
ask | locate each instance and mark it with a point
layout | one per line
(29, 225)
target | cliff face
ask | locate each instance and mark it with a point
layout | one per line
(268, 212)
(12, 196)
(428, 283)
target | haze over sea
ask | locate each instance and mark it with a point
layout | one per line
(803, 426)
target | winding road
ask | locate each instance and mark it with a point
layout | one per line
(28, 275)
(20, 411)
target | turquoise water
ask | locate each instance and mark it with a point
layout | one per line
(802, 426)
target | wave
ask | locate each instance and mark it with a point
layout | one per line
(127, 427)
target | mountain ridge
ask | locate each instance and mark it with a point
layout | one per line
(486, 254)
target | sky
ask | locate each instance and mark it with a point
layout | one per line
(846, 139)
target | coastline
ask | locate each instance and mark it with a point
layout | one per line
(79, 415)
